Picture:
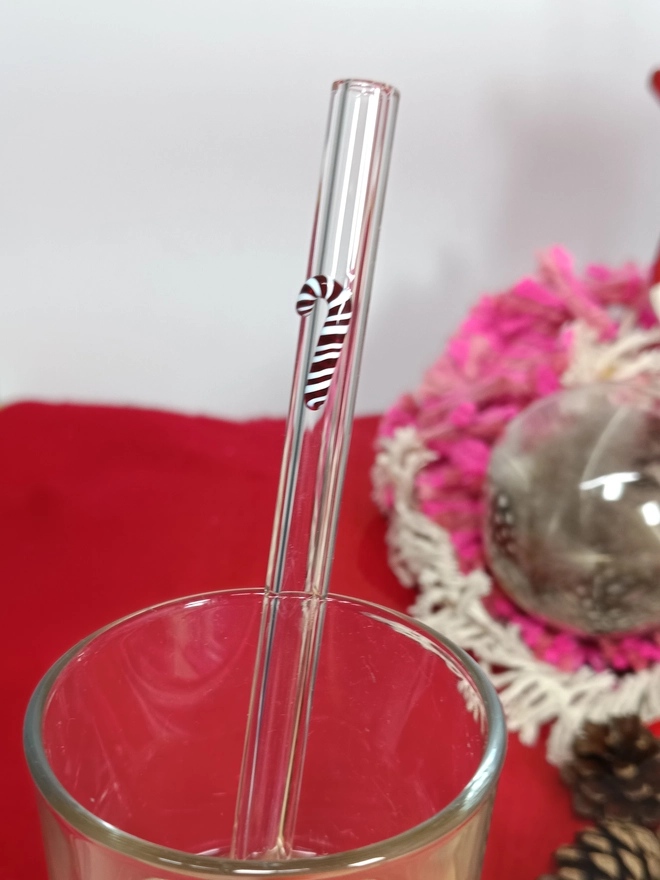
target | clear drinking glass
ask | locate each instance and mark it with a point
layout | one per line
(134, 740)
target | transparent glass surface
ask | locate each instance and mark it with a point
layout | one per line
(134, 741)
(573, 532)
(346, 226)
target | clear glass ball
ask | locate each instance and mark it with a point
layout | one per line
(572, 531)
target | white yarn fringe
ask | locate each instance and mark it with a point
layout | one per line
(629, 355)
(533, 693)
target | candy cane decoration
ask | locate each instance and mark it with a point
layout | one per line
(333, 333)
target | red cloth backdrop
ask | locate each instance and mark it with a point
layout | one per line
(106, 510)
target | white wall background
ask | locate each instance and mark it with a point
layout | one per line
(159, 164)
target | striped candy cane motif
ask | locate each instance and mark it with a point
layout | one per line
(332, 335)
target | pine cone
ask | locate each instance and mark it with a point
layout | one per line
(610, 851)
(615, 772)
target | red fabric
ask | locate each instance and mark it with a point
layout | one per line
(104, 511)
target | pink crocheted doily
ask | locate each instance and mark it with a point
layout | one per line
(514, 348)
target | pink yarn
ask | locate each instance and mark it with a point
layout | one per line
(512, 349)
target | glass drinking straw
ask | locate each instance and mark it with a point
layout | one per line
(654, 274)
(333, 304)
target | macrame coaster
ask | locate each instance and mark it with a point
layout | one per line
(550, 331)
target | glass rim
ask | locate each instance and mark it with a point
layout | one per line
(438, 826)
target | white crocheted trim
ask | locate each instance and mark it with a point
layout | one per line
(629, 355)
(533, 693)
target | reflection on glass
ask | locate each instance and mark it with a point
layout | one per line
(651, 513)
(613, 484)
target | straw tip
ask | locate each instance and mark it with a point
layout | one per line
(366, 86)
